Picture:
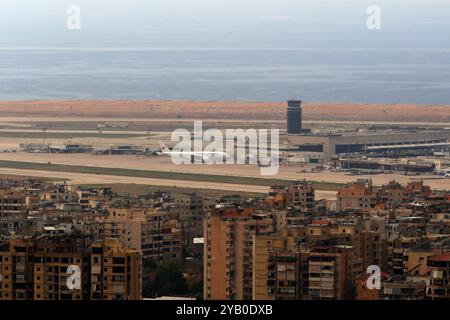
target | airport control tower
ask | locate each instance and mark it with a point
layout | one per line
(294, 117)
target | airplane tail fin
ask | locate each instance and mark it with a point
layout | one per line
(163, 147)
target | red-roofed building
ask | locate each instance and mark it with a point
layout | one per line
(439, 277)
(359, 195)
(364, 293)
(320, 222)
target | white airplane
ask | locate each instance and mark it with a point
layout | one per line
(202, 154)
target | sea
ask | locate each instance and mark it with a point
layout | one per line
(268, 58)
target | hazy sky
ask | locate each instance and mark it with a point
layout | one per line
(39, 22)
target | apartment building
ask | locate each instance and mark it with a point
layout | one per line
(362, 196)
(374, 249)
(228, 256)
(286, 266)
(402, 289)
(13, 202)
(21, 226)
(148, 230)
(439, 277)
(60, 194)
(368, 245)
(359, 195)
(190, 210)
(116, 271)
(16, 270)
(416, 262)
(303, 195)
(38, 269)
(280, 268)
(362, 291)
(391, 288)
(300, 194)
(332, 271)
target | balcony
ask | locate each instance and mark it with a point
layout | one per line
(118, 289)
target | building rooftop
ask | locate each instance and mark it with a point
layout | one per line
(442, 257)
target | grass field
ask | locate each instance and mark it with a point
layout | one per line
(159, 174)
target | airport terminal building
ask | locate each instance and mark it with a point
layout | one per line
(331, 145)
(326, 146)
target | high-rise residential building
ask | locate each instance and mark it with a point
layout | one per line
(228, 256)
(41, 269)
(116, 271)
(332, 271)
(280, 268)
(374, 248)
(190, 210)
(287, 267)
(16, 270)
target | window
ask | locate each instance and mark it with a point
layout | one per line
(97, 250)
(118, 269)
(119, 260)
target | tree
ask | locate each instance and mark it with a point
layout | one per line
(167, 280)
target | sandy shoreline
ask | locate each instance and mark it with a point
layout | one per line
(168, 109)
